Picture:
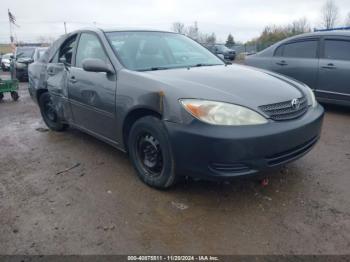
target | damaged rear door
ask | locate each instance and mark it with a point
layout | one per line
(92, 94)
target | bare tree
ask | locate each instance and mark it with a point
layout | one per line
(193, 31)
(330, 13)
(179, 27)
(206, 38)
(300, 26)
(347, 21)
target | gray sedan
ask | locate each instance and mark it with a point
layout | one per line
(321, 60)
(176, 108)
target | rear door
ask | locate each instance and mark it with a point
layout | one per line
(298, 59)
(92, 95)
(334, 69)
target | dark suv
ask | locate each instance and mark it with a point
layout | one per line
(23, 57)
(321, 60)
(221, 49)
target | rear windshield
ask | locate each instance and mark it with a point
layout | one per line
(142, 51)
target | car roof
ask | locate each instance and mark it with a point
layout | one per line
(270, 50)
(323, 33)
(119, 29)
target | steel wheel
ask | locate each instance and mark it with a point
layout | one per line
(149, 154)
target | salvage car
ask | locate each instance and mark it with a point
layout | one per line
(173, 106)
(320, 59)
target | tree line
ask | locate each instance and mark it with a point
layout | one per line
(271, 34)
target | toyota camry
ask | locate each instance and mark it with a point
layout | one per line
(172, 105)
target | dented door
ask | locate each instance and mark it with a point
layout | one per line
(57, 75)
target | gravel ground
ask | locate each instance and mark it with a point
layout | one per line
(68, 193)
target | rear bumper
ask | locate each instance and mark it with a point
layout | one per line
(212, 152)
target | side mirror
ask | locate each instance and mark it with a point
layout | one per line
(96, 65)
(63, 60)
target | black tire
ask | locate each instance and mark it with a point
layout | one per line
(49, 113)
(1, 96)
(150, 153)
(14, 95)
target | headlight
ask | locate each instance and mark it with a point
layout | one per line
(219, 113)
(311, 96)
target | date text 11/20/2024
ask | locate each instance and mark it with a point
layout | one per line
(173, 258)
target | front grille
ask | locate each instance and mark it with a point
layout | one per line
(285, 110)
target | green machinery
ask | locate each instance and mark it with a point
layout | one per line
(9, 85)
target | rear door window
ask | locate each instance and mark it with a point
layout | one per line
(337, 49)
(302, 49)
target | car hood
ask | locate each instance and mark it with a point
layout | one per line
(233, 84)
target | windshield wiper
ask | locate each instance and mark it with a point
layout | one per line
(155, 68)
(203, 64)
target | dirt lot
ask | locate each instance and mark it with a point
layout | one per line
(101, 207)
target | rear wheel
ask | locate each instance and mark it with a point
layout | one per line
(150, 152)
(1, 96)
(49, 114)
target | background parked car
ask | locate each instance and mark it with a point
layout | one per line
(321, 60)
(6, 62)
(221, 49)
(23, 57)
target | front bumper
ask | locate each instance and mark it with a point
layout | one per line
(209, 151)
(230, 57)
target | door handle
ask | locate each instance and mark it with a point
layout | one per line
(329, 66)
(50, 72)
(282, 63)
(73, 79)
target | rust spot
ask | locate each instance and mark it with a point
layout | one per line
(161, 98)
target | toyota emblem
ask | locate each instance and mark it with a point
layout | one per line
(295, 103)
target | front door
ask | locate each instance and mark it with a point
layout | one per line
(334, 70)
(92, 95)
(299, 60)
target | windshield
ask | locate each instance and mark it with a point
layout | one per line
(24, 52)
(144, 51)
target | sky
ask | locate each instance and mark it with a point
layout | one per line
(243, 19)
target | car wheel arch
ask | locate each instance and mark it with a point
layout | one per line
(132, 117)
(39, 92)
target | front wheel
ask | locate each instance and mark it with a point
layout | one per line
(49, 114)
(150, 152)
